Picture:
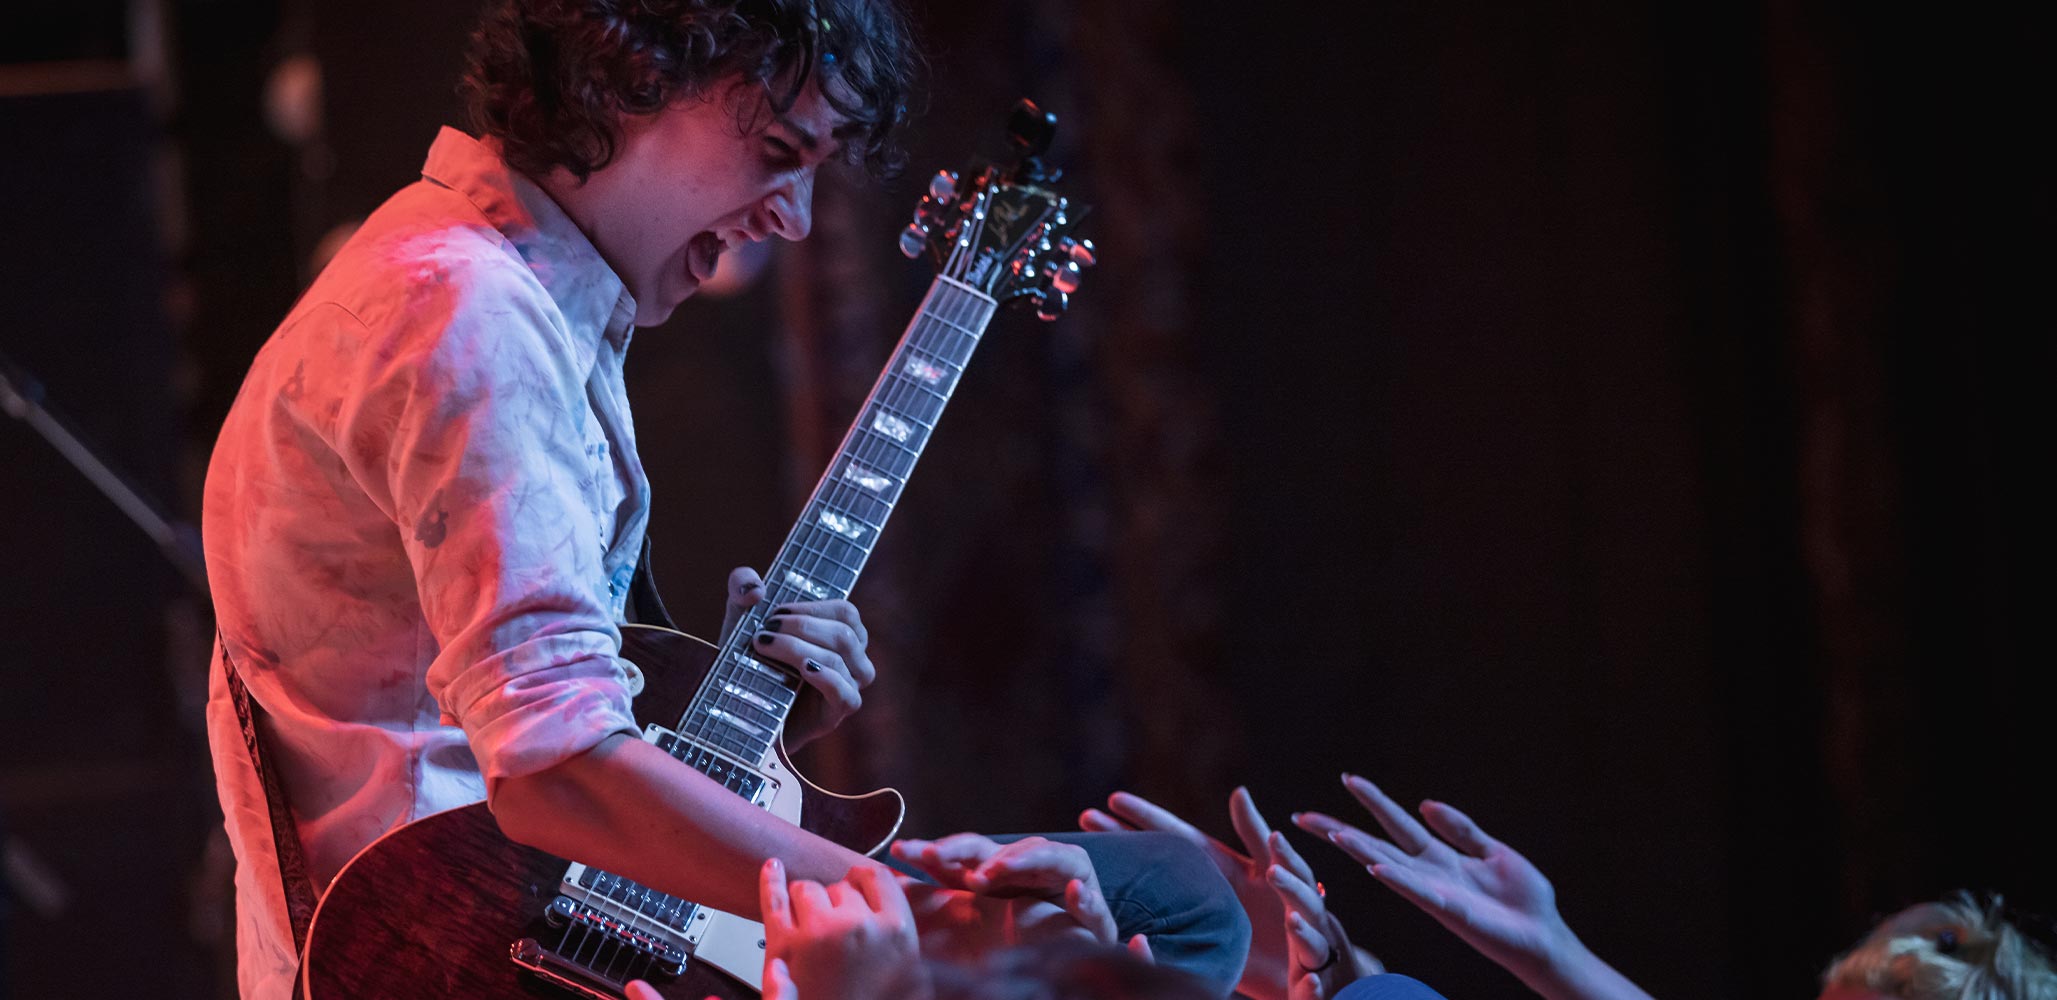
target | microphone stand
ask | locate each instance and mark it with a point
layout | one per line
(22, 397)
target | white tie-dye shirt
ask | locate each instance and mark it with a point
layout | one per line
(421, 519)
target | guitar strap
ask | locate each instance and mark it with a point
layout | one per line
(285, 835)
(645, 608)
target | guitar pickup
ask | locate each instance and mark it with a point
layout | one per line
(753, 785)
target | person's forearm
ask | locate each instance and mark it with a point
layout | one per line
(627, 807)
(1574, 972)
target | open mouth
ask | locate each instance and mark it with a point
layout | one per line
(703, 252)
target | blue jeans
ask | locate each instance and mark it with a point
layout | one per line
(1165, 888)
(1389, 986)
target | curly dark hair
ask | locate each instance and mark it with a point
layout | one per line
(551, 79)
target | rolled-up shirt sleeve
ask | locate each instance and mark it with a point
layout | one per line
(475, 434)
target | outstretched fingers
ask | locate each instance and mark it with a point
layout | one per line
(772, 899)
(1250, 826)
(1144, 814)
(1406, 831)
(1084, 903)
(1285, 856)
(883, 894)
(1457, 828)
(1308, 946)
(1422, 889)
(1362, 847)
(1033, 866)
(1096, 821)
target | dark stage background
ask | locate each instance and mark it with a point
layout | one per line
(1617, 419)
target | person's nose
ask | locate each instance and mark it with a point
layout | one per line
(791, 208)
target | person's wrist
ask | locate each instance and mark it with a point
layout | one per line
(1572, 971)
(1555, 964)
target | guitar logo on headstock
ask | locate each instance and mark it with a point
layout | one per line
(1006, 234)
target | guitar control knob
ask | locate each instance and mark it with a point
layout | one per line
(943, 185)
(913, 240)
(1081, 252)
(1052, 306)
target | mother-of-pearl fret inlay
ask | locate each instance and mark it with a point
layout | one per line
(753, 698)
(856, 473)
(841, 525)
(732, 719)
(923, 369)
(892, 427)
(759, 668)
(807, 585)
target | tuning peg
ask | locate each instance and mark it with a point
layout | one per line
(943, 186)
(1030, 129)
(1051, 306)
(1064, 277)
(913, 240)
(1080, 252)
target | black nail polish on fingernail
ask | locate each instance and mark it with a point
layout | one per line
(764, 639)
(748, 587)
(782, 611)
(774, 624)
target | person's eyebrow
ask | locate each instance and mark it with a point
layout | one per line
(811, 142)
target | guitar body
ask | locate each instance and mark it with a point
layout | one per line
(435, 908)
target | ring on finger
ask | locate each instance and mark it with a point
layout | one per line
(1335, 955)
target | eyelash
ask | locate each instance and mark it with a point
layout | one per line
(780, 154)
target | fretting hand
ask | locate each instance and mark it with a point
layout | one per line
(823, 641)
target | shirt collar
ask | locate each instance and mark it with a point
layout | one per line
(586, 290)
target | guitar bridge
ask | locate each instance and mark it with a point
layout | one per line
(571, 975)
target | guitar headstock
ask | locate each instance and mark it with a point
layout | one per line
(1006, 232)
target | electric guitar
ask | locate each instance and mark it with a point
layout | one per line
(448, 907)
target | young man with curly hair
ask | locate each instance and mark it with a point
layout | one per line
(425, 509)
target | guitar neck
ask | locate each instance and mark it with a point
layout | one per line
(743, 703)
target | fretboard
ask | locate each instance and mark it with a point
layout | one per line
(743, 702)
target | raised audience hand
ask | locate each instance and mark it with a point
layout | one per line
(849, 940)
(1272, 966)
(1482, 890)
(1031, 868)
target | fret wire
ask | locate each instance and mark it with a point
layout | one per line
(952, 325)
(807, 560)
(814, 567)
(822, 553)
(884, 454)
(749, 712)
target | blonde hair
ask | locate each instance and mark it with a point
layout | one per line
(1961, 948)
